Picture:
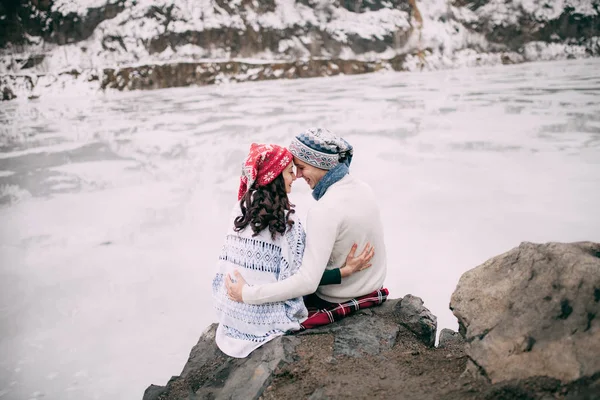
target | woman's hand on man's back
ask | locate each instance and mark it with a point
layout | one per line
(354, 263)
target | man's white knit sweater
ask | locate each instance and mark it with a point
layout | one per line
(346, 214)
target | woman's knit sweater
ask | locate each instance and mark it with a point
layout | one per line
(260, 259)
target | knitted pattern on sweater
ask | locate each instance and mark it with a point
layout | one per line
(259, 259)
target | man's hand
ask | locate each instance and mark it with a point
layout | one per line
(362, 261)
(234, 289)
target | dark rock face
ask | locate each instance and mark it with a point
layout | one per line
(360, 6)
(73, 28)
(7, 94)
(36, 18)
(206, 73)
(18, 19)
(526, 27)
(533, 312)
(243, 39)
(247, 37)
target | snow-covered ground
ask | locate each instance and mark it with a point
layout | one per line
(113, 206)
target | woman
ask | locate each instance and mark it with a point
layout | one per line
(265, 242)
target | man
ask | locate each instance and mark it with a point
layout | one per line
(346, 213)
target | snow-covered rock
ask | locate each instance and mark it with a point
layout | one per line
(49, 37)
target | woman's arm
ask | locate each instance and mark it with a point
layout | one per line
(352, 265)
(331, 277)
(321, 233)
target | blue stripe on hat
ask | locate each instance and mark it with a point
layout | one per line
(316, 144)
(321, 148)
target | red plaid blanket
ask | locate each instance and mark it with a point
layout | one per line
(321, 312)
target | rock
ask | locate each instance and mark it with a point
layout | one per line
(209, 373)
(146, 77)
(359, 335)
(519, 26)
(523, 389)
(473, 371)
(448, 338)
(33, 60)
(362, 333)
(411, 314)
(154, 392)
(240, 31)
(39, 19)
(250, 28)
(7, 94)
(533, 312)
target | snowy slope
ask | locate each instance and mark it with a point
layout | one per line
(428, 34)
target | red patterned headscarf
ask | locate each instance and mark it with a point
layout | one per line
(263, 164)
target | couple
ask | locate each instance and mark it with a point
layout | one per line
(268, 263)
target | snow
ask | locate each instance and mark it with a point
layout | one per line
(38, 150)
(373, 24)
(112, 216)
(96, 173)
(444, 32)
(464, 14)
(503, 13)
(12, 194)
(459, 59)
(79, 7)
(553, 51)
(287, 15)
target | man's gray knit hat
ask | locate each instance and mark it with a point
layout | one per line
(321, 148)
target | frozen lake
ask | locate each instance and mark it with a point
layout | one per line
(113, 207)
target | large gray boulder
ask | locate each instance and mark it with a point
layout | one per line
(533, 312)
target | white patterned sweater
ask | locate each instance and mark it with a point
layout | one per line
(260, 259)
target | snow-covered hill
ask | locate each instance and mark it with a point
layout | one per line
(104, 43)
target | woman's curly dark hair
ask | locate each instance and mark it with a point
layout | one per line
(265, 207)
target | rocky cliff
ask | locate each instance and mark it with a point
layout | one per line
(528, 330)
(108, 43)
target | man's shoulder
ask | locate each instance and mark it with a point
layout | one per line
(350, 187)
(321, 206)
(351, 181)
(325, 211)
